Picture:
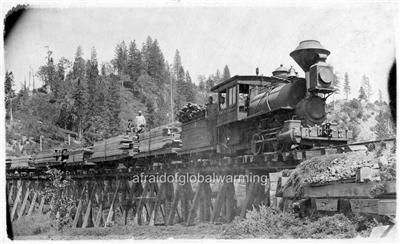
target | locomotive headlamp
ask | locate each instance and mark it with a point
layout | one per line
(325, 76)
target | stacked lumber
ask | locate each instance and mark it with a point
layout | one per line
(162, 137)
(44, 159)
(191, 112)
(18, 163)
(342, 168)
(114, 146)
(78, 155)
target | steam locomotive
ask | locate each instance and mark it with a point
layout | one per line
(283, 112)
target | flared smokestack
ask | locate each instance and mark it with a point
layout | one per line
(308, 53)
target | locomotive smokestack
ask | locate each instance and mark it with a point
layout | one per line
(308, 53)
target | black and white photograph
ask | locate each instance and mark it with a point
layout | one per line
(198, 120)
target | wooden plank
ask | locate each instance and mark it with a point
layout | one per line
(41, 205)
(374, 206)
(16, 202)
(23, 206)
(33, 203)
(111, 210)
(87, 220)
(344, 190)
(219, 202)
(173, 210)
(326, 204)
(247, 200)
(230, 202)
(387, 207)
(195, 203)
(77, 214)
(157, 205)
(99, 218)
(141, 203)
(78, 210)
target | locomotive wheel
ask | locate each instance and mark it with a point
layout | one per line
(257, 144)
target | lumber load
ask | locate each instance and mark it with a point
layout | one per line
(78, 155)
(191, 111)
(353, 167)
(162, 137)
(111, 147)
(18, 162)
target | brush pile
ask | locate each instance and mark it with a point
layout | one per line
(191, 111)
(341, 168)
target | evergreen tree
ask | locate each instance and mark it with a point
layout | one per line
(367, 87)
(380, 96)
(78, 68)
(48, 74)
(120, 62)
(114, 105)
(336, 82)
(177, 64)
(150, 114)
(217, 77)
(9, 91)
(189, 88)
(227, 74)
(202, 82)
(79, 107)
(383, 127)
(92, 74)
(362, 95)
(346, 87)
(181, 89)
(134, 62)
(210, 83)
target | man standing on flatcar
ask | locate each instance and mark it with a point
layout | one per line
(140, 122)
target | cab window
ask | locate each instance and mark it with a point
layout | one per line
(232, 96)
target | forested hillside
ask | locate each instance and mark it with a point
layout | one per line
(91, 100)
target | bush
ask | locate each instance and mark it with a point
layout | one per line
(31, 225)
(272, 223)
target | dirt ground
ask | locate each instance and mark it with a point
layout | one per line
(199, 231)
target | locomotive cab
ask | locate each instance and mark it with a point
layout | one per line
(234, 96)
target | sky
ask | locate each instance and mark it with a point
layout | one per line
(361, 36)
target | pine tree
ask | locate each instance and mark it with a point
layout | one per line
(383, 127)
(227, 74)
(189, 88)
(346, 87)
(120, 62)
(48, 74)
(367, 87)
(9, 91)
(134, 62)
(217, 77)
(362, 95)
(202, 82)
(336, 82)
(80, 98)
(177, 64)
(210, 83)
(380, 96)
(92, 74)
(113, 105)
(78, 68)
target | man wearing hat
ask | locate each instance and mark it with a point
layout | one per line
(140, 122)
